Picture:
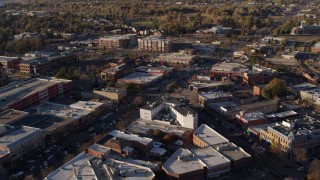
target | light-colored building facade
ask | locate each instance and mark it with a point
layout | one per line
(118, 41)
(154, 44)
(175, 58)
(21, 141)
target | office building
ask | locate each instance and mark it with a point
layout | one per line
(115, 94)
(251, 119)
(258, 75)
(9, 63)
(116, 72)
(24, 94)
(211, 97)
(205, 136)
(211, 86)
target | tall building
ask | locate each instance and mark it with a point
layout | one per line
(154, 44)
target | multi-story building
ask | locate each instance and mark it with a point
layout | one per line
(142, 143)
(234, 71)
(311, 94)
(258, 75)
(169, 109)
(205, 136)
(118, 41)
(211, 86)
(20, 142)
(27, 93)
(316, 48)
(211, 97)
(115, 94)
(114, 73)
(3, 78)
(45, 63)
(293, 134)
(306, 29)
(257, 89)
(201, 163)
(175, 58)
(251, 119)
(9, 63)
(154, 44)
(230, 109)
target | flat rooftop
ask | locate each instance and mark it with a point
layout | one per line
(154, 38)
(86, 105)
(183, 161)
(8, 59)
(5, 129)
(142, 126)
(18, 90)
(117, 37)
(100, 148)
(210, 136)
(175, 57)
(19, 135)
(10, 116)
(41, 53)
(79, 167)
(141, 77)
(282, 114)
(211, 84)
(303, 86)
(230, 67)
(124, 170)
(130, 137)
(209, 156)
(60, 110)
(231, 151)
(214, 95)
(112, 90)
(256, 129)
(252, 116)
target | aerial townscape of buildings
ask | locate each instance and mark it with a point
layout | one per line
(160, 90)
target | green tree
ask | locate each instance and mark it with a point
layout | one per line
(314, 170)
(275, 87)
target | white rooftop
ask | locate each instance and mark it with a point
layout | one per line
(183, 161)
(141, 77)
(256, 115)
(18, 136)
(77, 168)
(175, 56)
(7, 59)
(100, 148)
(282, 114)
(60, 110)
(210, 156)
(86, 105)
(130, 137)
(230, 67)
(127, 171)
(214, 95)
(209, 135)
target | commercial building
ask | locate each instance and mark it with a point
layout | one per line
(81, 112)
(251, 119)
(143, 127)
(238, 157)
(115, 94)
(259, 75)
(10, 116)
(142, 143)
(295, 133)
(316, 48)
(311, 94)
(202, 163)
(80, 167)
(211, 86)
(215, 30)
(169, 109)
(116, 72)
(229, 109)
(21, 141)
(98, 150)
(10, 63)
(27, 93)
(296, 89)
(118, 41)
(281, 115)
(116, 169)
(232, 70)
(140, 78)
(205, 136)
(154, 44)
(45, 63)
(154, 70)
(211, 97)
(175, 58)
